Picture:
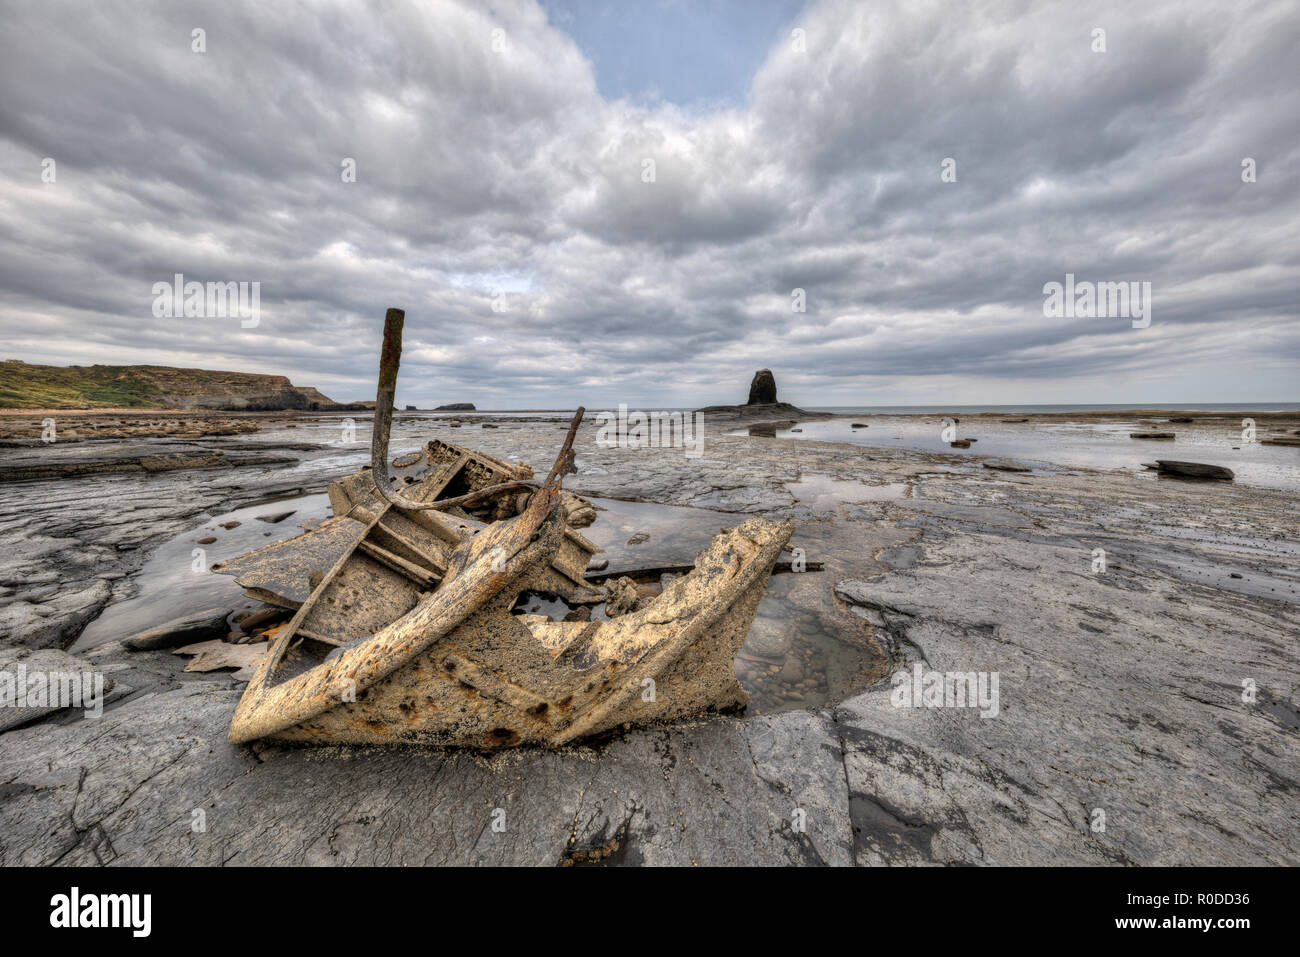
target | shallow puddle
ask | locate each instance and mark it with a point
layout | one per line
(803, 650)
(1048, 446)
(665, 535)
(823, 493)
(175, 581)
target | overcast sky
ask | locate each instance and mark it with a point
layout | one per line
(500, 197)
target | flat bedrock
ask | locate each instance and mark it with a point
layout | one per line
(1120, 690)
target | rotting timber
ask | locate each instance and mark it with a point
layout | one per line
(415, 624)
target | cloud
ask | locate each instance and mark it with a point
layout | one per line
(501, 197)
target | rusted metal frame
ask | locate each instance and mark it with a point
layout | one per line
(323, 639)
(429, 491)
(384, 536)
(422, 577)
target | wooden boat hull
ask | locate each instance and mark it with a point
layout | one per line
(402, 555)
(419, 631)
(490, 678)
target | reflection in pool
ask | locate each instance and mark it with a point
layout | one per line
(175, 580)
(804, 650)
(1104, 444)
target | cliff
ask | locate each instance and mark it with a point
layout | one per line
(27, 386)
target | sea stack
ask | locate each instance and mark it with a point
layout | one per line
(763, 406)
(762, 390)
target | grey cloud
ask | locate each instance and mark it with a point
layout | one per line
(479, 169)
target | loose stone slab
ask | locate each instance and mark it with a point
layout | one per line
(187, 629)
(1195, 470)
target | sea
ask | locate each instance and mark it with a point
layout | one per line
(1224, 407)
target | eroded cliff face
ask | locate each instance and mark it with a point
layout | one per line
(265, 394)
(223, 390)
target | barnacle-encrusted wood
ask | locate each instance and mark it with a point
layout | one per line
(456, 661)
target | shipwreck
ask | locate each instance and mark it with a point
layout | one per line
(425, 610)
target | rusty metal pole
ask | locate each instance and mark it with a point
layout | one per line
(390, 357)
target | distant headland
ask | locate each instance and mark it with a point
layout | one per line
(24, 385)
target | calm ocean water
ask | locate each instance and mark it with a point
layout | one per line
(593, 410)
(1032, 409)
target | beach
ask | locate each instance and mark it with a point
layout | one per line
(1140, 632)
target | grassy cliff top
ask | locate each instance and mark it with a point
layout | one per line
(27, 386)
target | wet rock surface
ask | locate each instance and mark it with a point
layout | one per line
(73, 459)
(70, 545)
(22, 701)
(24, 430)
(1121, 684)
